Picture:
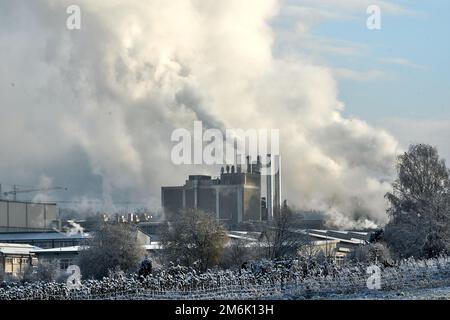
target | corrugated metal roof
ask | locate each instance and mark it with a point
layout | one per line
(322, 236)
(28, 236)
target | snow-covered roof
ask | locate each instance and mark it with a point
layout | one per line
(12, 248)
(56, 250)
(340, 231)
(154, 245)
(323, 242)
(234, 236)
(327, 237)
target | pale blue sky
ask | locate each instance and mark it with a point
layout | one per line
(397, 77)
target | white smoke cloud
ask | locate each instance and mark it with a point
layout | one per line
(44, 184)
(109, 96)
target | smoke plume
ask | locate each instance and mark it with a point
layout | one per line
(95, 108)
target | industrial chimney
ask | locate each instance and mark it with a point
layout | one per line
(273, 188)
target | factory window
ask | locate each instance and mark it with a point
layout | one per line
(66, 243)
(9, 265)
(339, 260)
(44, 244)
(65, 263)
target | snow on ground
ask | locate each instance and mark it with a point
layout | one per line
(292, 279)
(416, 294)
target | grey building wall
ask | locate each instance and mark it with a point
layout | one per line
(206, 197)
(172, 198)
(23, 216)
(233, 198)
(190, 198)
(228, 204)
(252, 204)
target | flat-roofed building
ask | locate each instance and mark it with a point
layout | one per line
(44, 240)
(233, 198)
(16, 258)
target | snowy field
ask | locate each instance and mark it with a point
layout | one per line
(295, 279)
(416, 294)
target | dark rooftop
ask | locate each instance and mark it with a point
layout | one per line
(26, 236)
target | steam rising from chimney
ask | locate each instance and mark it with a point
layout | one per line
(108, 96)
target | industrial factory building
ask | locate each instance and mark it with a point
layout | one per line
(233, 198)
(21, 216)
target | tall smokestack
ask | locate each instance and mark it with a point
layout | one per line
(273, 189)
(269, 189)
(276, 169)
(258, 164)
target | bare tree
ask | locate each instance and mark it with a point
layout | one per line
(112, 246)
(238, 253)
(46, 271)
(419, 205)
(278, 239)
(193, 236)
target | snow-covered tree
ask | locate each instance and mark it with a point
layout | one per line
(193, 236)
(112, 246)
(419, 205)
